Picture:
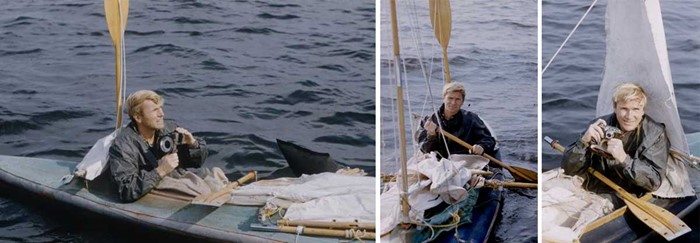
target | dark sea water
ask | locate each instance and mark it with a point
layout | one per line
(238, 73)
(570, 85)
(493, 51)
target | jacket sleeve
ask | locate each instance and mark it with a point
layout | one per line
(576, 159)
(131, 181)
(427, 143)
(193, 157)
(645, 170)
(483, 135)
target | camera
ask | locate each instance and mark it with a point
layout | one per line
(602, 147)
(169, 142)
(612, 132)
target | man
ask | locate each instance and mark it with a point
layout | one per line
(635, 161)
(136, 162)
(461, 123)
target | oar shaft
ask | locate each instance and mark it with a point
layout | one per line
(330, 232)
(470, 147)
(446, 62)
(322, 224)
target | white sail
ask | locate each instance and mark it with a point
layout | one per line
(636, 52)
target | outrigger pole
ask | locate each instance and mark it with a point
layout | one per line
(402, 128)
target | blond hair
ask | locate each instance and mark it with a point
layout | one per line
(627, 92)
(453, 87)
(133, 103)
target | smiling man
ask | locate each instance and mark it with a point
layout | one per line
(137, 161)
(636, 161)
(463, 124)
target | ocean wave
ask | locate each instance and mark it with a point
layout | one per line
(171, 49)
(254, 30)
(347, 118)
(360, 140)
(333, 67)
(20, 52)
(272, 16)
(144, 33)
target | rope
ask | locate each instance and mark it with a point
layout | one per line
(355, 234)
(300, 229)
(567, 38)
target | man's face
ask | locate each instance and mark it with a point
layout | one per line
(151, 115)
(629, 114)
(453, 102)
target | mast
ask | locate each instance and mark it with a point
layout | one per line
(402, 126)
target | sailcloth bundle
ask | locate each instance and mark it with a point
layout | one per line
(431, 182)
(318, 197)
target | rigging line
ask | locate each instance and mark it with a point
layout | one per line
(426, 75)
(567, 38)
(416, 40)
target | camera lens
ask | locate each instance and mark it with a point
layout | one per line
(167, 144)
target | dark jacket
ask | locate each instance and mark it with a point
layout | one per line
(647, 149)
(132, 162)
(464, 125)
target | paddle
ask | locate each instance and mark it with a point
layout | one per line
(116, 13)
(519, 174)
(657, 218)
(210, 199)
(497, 183)
(305, 230)
(441, 19)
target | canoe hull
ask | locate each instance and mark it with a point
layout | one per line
(226, 223)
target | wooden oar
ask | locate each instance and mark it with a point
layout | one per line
(441, 19)
(116, 13)
(657, 218)
(519, 174)
(209, 199)
(305, 230)
(324, 224)
(495, 183)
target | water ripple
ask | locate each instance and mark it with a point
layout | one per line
(272, 16)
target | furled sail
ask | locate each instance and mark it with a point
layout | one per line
(636, 52)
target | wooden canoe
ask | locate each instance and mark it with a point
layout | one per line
(42, 177)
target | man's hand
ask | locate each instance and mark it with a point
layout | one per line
(430, 127)
(189, 138)
(167, 164)
(477, 149)
(595, 132)
(617, 150)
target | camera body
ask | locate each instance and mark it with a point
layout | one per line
(168, 143)
(612, 132)
(602, 146)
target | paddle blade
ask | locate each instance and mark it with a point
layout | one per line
(441, 20)
(524, 174)
(657, 218)
(116, 13)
